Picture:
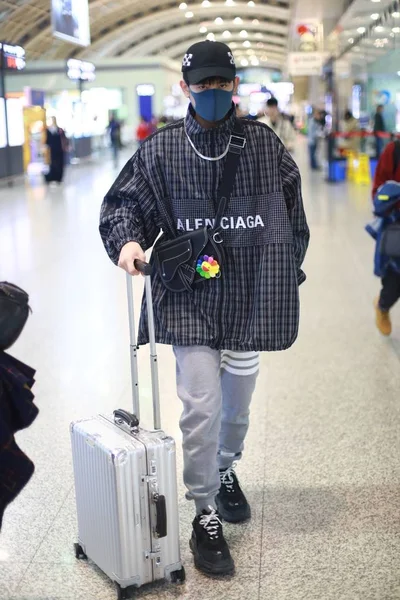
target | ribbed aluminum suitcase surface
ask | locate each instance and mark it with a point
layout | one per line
(117, 475)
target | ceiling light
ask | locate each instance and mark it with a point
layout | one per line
(250, 52)
(203, 29)
(183, 6)
(379, 28)
(254, 61)
(398, 73)
(230, 2)
(189, 14)
(259, 35)
(238, 20)
(396, 14)
(233, 45)
(211, 37)
(264, 57)
(361, 30)
(351, 40)
(244, 62)
(396, 29)
(243, 33)
(251, 3)
(226, 34)
(206, 3)
(219, 21)
(375, 0)
(255, 22)
(375, 16)
(247, 44)
(392, 35)
(260, 45)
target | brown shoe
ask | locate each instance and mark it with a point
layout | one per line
(383, 322)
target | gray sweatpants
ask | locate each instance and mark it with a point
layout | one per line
(216, 389)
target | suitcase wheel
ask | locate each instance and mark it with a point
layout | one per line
(79, 553)
(178, 576)
(122, 593)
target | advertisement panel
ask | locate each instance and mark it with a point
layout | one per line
(308, 36)
(70, 21)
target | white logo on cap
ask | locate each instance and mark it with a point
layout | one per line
(231, 57)
(187, 60)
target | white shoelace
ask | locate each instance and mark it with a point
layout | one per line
(227, 479)
(211, 523)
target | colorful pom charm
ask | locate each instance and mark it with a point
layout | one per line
(207, 267)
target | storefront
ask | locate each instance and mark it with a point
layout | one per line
(257, 85)
(84, 116)
(12, 58)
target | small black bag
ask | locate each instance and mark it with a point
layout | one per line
(390, 241)
(176, 260)
(14, 312)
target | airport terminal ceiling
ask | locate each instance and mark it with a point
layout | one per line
(137, 28)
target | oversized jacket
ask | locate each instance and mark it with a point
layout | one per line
(254, 306)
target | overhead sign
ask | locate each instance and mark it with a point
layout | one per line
(12, 58)
(80, 70)
(306, 63)
(70, 21)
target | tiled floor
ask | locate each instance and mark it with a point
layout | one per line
(322, 466)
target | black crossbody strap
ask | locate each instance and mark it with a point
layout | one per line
(237, 143)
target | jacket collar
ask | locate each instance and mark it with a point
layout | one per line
(194, 128)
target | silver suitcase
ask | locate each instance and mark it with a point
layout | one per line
(125, 483)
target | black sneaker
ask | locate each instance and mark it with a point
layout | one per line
(231, 502)
(210, 550)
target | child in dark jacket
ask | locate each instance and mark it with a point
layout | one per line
(386, 196)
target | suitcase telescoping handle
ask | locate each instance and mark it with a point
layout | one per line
(146, 270)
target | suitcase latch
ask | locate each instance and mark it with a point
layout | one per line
(154, 556)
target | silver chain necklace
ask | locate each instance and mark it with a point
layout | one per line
(225, 152)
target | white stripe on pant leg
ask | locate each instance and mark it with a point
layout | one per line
(240, 363)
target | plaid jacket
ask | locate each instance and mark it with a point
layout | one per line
(255, 303)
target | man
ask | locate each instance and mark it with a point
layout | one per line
(388, 169)
(379, 127)
(314, 135)
(280, 124)
(216, 330)
(114, 128)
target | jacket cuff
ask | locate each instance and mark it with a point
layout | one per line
(301, 277)
(121, 235)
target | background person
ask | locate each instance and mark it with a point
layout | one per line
(388, 169)
(280, 124)
(114, 129)
(379, 127)
(57, 143)
(314, 135)
(143, 130)
(351, 126)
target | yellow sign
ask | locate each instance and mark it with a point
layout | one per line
(351, 165)
(363, 174)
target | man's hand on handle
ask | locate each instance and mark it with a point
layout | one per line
(129, 253)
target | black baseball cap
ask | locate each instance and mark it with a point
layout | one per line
(208, 59)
